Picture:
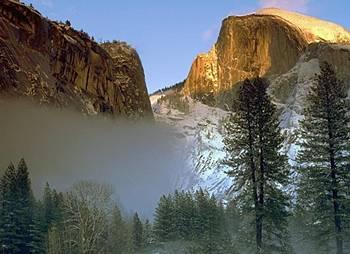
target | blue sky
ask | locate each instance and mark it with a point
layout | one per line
(168, 34)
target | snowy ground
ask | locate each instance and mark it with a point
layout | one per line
(201, 130)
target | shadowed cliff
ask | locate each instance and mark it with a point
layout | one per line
(52, 63)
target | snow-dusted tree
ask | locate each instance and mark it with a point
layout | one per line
(323, 193)
(147, 233)
(260, 171)
(164, 224)
(87, 208)
(20, 231)
(119, 236)
(8, 235)
(137, 233)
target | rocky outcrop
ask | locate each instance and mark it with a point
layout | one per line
(203, 76)
(268, 44)
(247, 46)
(55, 64)
(291, 88)
(337, 55)
(128, 73)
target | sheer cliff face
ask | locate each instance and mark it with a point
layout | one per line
(247, 46)
(128, 73)
(269, 44)
(54, 64)
(203, 76)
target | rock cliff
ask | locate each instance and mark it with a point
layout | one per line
(52, 63)
(268, 43)
(247, 46)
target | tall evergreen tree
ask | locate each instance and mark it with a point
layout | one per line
(47, 207)
(147, 233)
(164, 228)
(137, 233)
(323, 193)
(8, 234)
(260, 171)
(209, 222)
(118, 236)
(184, 212)
(24, 207)
(20, 232)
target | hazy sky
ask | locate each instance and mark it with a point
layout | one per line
(168, 34)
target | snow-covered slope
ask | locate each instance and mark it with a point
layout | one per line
(202, 129)
(314, 29)
(202, 132)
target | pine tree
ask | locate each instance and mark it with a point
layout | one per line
(323, 193)
(20, 232)
(48, 208)
(184, 209)
(28, 222)
(8, 233)
(190, 216)
(137, 233)
(232, 219)
(57, 203)
(231, 226)
(259, 170)
(24, 207)
(147, 233)
(118, 236)
(164, 219)
(209, 222)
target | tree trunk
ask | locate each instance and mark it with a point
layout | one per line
(258, 229)
(256, 203)
(261, 191)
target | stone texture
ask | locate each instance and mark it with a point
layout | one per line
(52, 63)
(128, 73)
(203, 76)
(247, 46)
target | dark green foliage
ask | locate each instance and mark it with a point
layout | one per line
(196, 218)
(259, 170)
(9, 238)
(164, 228)
(137, 233)
(147, 233)
(118, 237)
(30, 226)
(207, 225)
(184, 215)
(48, 208)
(20, 229)
(323, 193)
